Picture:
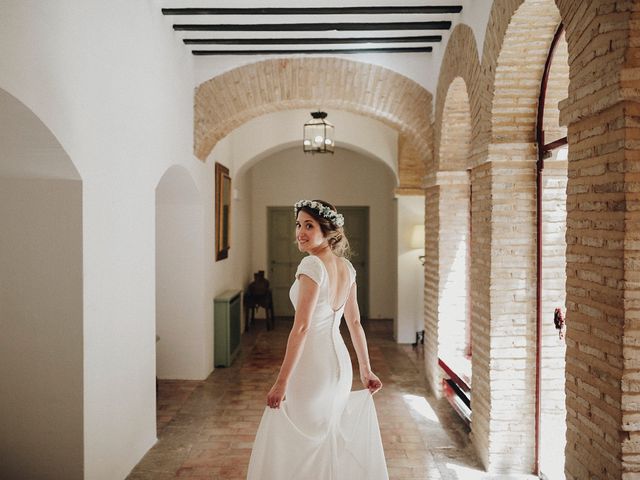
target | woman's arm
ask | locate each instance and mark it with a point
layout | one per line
(307, 298)
(359, 340)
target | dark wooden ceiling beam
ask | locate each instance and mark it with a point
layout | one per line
(312, 27)
(320, 51)
(377, 10)
(311, 41)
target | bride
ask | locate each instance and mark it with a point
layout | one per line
(314, 427)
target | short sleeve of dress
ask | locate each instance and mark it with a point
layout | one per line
(311, 267)
(352, 271)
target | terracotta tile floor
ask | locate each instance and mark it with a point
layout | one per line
(206, 429)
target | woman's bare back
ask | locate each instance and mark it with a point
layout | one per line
(339, 280)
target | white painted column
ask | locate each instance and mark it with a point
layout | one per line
(119, 323)
(410, 212)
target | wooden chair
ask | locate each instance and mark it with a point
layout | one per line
(258, 295)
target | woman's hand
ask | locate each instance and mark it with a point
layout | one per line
(276, 395)
(371, 382)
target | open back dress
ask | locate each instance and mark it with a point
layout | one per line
(322, 430)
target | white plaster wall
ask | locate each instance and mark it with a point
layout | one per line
(422, 68)
(273, 132)
(242, 273)
(181, 352)
(345, 178)
(117, 91)
(183, 207)
(234, 272)
(409, 319)
(476, 15)
(29, 149)
(41, 349)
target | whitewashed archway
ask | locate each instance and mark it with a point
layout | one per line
(180, 266)
(41, 300)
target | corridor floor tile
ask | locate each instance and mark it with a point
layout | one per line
(206, 429)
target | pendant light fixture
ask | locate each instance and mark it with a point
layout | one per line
(318, 134)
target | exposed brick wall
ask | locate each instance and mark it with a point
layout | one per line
(629, 83)
(461, 60)
(512, 73)
(453, 256)
(503, 91)
(446, 274)
(630, 386)
(411, 165)
(481, 235)
(557, 90)
(554, 246)
(231, 99)
(518, 71)
(602, 230)
(554, 215)
(554, 219)
(511, 320)
(516, 43)
(602, 248)
(446, 292)
(455, 131)
(595, 294)
(502, 12)
(431, 286)
(601, 370)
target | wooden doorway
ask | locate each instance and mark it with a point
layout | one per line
(284, 257)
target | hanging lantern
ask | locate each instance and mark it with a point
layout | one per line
(318, 134)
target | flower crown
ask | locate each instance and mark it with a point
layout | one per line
(336, 218)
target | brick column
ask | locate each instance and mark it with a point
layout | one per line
(446, 276)
(603, 284)
(554, 277)
(603, 241)
(503, 312)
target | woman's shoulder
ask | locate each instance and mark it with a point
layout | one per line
(312, 267)
(311, 261)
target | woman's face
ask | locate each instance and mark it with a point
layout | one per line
(308, 233)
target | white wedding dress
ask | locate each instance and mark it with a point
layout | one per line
(322, 430)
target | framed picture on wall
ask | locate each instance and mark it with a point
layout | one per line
(223, 212)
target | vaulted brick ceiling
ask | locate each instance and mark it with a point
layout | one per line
(229, 100)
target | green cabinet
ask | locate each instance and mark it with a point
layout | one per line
(226, 327)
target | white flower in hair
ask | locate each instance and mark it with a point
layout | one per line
(336, 218)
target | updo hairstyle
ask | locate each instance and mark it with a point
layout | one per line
(335, 235)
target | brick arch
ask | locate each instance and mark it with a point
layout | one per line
(225, 102)
(460, 62)
(599, 112)
(602, 429)
(500, 30)
(454, 140)
(515, 49)
(516, 45)
(591, 87)
(557, 91)
(519, 69)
